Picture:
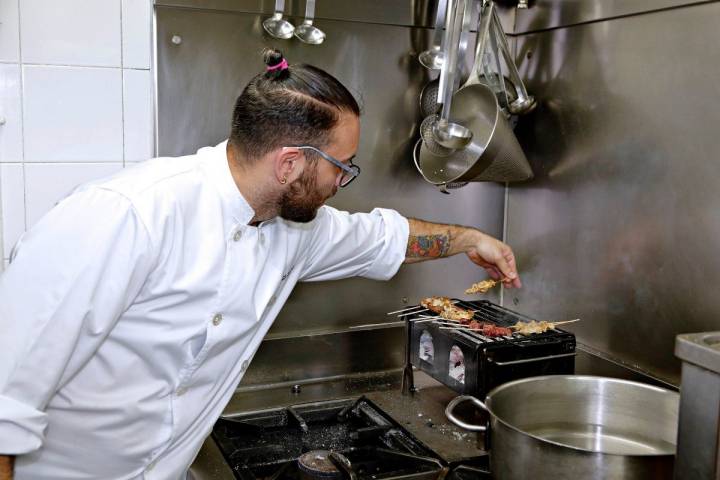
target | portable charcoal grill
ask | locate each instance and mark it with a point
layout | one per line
(473, 364)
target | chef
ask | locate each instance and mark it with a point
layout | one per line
(130, 312)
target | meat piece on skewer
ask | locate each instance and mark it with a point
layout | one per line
(444, 307)
(528, 328)
(482, 287)
(496, 331)
(451, 312)
(489, 329)
(533, 326)
(436, 304)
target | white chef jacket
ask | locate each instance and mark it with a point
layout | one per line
(131, 310)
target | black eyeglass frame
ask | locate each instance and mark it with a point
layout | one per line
(352, 170)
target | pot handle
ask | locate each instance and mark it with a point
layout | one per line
(467, 426)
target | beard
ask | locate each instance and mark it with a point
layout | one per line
(300, 203)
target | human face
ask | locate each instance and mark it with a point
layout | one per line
(349, 172)
(320, 180)
(342, 146)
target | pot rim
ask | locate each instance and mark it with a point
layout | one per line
(504, 386)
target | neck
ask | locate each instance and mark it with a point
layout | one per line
(252, 185)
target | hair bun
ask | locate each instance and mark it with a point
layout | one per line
(272, 57)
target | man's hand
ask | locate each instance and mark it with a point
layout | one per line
(497, 258)
(6, 467)
(433, 240)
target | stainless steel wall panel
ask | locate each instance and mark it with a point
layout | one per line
(294, 359)
(417, 13)
(389, 12)
(544, 14)
(198, 81)
(622, 225)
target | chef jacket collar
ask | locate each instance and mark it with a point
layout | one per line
(237, 210)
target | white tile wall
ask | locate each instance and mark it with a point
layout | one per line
(138, 114)
(76, 93)
(76, 112)
(10, 114)
(71, 32)
(46, 184)
(136, 33)
(9, 33)
(13, 200)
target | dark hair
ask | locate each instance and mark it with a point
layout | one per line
(290, 105)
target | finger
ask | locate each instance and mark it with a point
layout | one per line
(493, 272)
(510, 257)
(514, 283)
(504, 266)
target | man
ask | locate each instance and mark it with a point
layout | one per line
(131, 310)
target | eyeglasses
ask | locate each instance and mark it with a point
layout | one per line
(348, 173)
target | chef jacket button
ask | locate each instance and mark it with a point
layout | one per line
(237, 235)
(150, 466)
(217, 319)
(244, 365)
(180, 391)
(272, 300)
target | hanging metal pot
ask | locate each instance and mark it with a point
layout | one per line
(493, 153)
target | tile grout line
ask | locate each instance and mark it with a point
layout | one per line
(122, 84)
(154, 80)
(22, 118)
(70, 65)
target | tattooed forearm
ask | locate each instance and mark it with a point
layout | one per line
(428, 246)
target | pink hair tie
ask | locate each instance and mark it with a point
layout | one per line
(280, 66)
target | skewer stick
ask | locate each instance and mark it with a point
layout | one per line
(407, 310)
(566, 321)
(516, 326)
(413, 309)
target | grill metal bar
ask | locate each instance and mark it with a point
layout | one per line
(536, 359)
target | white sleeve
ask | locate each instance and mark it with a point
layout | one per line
(370, 245)
(72, 277)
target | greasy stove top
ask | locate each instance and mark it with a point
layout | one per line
(340, 439)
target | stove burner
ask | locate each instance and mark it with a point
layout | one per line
(332, 440)
(317, 464)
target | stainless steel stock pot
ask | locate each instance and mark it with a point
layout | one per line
(577, 427)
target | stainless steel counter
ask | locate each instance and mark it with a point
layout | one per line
(421, 414)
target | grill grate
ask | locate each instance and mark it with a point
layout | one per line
(485, 311)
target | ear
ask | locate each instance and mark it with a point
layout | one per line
(286, 168)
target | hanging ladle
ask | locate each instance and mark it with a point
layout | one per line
(433, 57)
(446, 133)
(307, 32)
(276, 26)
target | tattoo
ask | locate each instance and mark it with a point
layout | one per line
(428, 246)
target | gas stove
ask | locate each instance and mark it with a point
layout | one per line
(352, 439)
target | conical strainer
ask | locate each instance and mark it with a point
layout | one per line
(493, 154)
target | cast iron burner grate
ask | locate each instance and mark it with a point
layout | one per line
(354, 437)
